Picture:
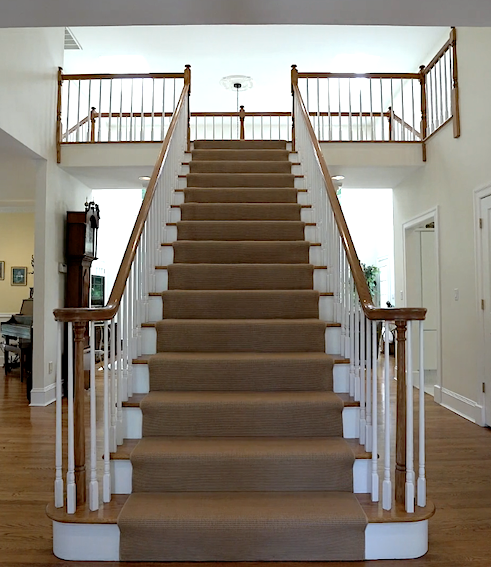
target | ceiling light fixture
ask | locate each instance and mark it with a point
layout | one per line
(144, 178)
(337, 177)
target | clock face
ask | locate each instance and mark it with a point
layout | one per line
(89, 240)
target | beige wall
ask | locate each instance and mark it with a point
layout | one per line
(16, 249)
(454, 170)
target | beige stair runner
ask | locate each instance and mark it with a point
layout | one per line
(242, 456)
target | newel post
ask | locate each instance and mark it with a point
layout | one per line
(79, 410)
(424, 119)
(294, 81)
(187, 81)
(391, 118)
(455, 86)
(242, 120)
(92, 124)
(58, 116)
(400, 472)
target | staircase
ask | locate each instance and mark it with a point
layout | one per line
(242, 456)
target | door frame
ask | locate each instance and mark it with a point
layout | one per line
(409, 226)
(479, 194)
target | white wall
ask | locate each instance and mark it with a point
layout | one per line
(119, 209)
(455, 168)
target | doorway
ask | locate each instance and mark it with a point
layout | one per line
(483, 253)
(422, 289)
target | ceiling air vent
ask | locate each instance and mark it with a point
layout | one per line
(70, 41)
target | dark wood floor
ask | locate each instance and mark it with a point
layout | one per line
(458, 471)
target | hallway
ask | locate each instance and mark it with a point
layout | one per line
(458, 472)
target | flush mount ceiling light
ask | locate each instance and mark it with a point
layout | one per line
(237, 82)
(337, 177)
(144, 178)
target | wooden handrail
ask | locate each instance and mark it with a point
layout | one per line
(316, 75)
(439, 55)
(407, 126)
(87, 77)
(110, 310)
(373, 313)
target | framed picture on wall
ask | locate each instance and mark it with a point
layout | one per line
(2, 270)
(19, 275)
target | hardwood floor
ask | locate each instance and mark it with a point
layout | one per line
(458, 472)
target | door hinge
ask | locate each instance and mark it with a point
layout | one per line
(482, 304)
(480, 223)
(483, 388)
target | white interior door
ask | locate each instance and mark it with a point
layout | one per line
(486, 291)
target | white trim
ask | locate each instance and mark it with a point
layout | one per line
(42, 397)
(461, 405)
(433, 213)
(479, 194)
(396, 540)
(86, 542)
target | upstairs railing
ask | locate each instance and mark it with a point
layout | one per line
(116, 108)
(385, 107)
(361, 322)
(122, 319)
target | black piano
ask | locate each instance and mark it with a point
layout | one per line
(17, 332)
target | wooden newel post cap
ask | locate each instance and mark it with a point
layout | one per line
(241, 107)
(187, 66)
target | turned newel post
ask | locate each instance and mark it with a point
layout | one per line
(58, 116)
(187, 81)
(242, 120)
(455, 86)
(424, 119)
(92, 124)
(400, 473)
(79, 413)
(294, 80)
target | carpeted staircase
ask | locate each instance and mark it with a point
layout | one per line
(242, 456)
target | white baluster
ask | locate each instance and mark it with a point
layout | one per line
(387, 484)
(106, 481)
(71, 487)
(113, 395)
(356, 307)
(368, 443)
(131, 331)
(123, 386)
(375, 479)
(119, 393)
(351, 332)
(59, 498)
(94, 485)
(409, 424)
(363, 421)
(421, 476)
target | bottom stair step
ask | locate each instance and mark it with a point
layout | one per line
(234, 526)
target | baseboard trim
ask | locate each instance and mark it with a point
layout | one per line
(42, 397)
(465, 407)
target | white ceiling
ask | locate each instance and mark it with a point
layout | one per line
(36, 13)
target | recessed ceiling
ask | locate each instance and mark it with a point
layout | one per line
(50, 13)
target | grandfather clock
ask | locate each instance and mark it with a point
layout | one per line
(81, 251)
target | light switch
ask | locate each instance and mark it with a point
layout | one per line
(456, 294)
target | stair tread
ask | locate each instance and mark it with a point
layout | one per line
(231, 356)
(244, 322)
(124, 451)
(205, 397)
(280, 506)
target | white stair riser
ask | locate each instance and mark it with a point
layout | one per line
(177, 198)
(122, 473)
(170, 233)
(155, 312)
(100, 542)
(132, 423)
(332, 336)
(141, 384)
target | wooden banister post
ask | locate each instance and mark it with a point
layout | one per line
(390, 124)
(455, 87)
(400, 472)
(92, 124)
(187, 81)
(294, 81)
(58, 116)
(79, 410)
(424, 124)
(242, 120)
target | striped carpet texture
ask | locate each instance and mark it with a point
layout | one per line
(242, 456)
